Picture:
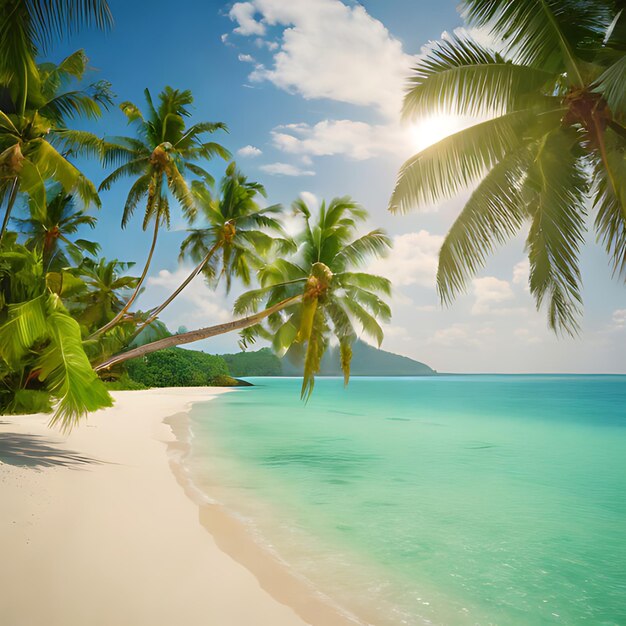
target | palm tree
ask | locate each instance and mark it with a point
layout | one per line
(163, 152)
(555, 137)
(28, 27)
(41, 345)
(49, 232)
(107, 288)
(233, 237)
(34, 141)
(312, 297)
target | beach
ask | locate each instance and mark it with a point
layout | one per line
(98, 528)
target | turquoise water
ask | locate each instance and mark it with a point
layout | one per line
(448, 500)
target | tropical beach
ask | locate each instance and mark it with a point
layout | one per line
(108, 534)
(312, 312)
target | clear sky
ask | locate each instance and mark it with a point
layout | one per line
(310, 90)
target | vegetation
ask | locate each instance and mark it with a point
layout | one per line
(177, 368)
(66, 314)
(554, 142)
(261, 362)
(310, 298)
(163, 151)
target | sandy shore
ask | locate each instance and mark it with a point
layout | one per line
(96, 530)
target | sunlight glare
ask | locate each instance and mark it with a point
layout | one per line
(430, 130)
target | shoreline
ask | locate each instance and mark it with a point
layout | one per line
(96, 529)
(235, 539)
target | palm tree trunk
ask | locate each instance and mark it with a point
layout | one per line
(7, 215)
(196, 335)
(127, 306)
(155, 312)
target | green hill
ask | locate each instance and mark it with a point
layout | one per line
(366, 361)
(176, 367)
(258, 363)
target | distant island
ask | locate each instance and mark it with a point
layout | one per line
(366, 361)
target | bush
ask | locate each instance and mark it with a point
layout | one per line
(124, 383)
(177, 367)
(263, 362)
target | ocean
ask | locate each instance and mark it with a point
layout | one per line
(449, 500)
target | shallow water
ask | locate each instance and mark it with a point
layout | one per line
(448, 500)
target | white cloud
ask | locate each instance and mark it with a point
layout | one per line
(412, 260)
(490, 291)
(285, 169)
(310, 199)
(619, 319)
(329, 50)
(521, 272)
(357, 140)
(246, 58)
(243, 13)
(249, 151)
(526, 335)
(455, 336)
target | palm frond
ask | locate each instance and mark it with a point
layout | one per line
(452, 164)
(25, 323)
(134, 167)
(180, 190)
(362, 280)
(56, 19)
(458, 76)
(345, 355)
(367, 321)
(70, 105)
(77, 142)
(376, 243)
(316, 345)
(67, 373)
(610, 202)
(494, 213)
(612, 85)
(557, 230)
(32, 184)
(371, 301)
(138, 190)
(542, 33)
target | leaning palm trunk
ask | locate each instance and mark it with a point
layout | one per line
(7, 215)
(196, 335)
(127, 306)
(155, 312)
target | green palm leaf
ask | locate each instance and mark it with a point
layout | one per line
(67, 373)
(611, 84)
(457, 161)
(25, 323)
(610, 202)
(460, 77)
(494, 213)
(557, 230)
(541, 33)
(376, 243)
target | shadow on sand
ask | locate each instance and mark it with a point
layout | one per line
(37, 451)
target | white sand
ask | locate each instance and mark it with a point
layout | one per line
(96, 531)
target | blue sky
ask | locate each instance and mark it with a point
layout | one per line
(310, 91)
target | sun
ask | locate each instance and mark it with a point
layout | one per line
(430, 130)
